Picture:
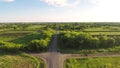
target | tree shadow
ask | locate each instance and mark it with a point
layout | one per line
(3, 52)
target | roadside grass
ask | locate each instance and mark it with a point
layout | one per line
(19, 60)
(103, 62)
(90, 51)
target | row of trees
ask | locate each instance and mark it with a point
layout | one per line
(80, 40)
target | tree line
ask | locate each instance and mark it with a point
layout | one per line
(81, 40)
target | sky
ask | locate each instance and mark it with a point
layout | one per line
(59, 10)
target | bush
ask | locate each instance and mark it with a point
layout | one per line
(9, 46)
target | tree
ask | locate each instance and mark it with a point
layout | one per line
(95, 42)
(103, 41)
(111, 42)
(37, 45)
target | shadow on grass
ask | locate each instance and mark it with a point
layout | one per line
(26, 39)
(2, 52)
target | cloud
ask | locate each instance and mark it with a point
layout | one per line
(7, 0)
(61, 3)
(107, 10)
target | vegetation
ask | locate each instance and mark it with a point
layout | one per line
(42, 44)
(25, 37)
(104, 62)
(82, 40)
(89, 37)
(19, 60)
(15, 39)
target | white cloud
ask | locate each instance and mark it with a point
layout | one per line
(7, 0)
(61, 3)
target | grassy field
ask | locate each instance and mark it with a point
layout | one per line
(106, 30)
(19, 37)
(105, 33)
(19, 60)
(103, 28)
(104, 62)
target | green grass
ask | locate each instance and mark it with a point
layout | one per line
(103, 28)
(8, 38)
(90, 51)
(96, 29)
(105, 33)
(19, 37)
(35, 27)
(104, 62)
(19, 60)
(12, 35)
(25, 40)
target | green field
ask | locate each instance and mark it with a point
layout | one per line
(90, 51)
(103, 28)
(104, 62)
(19, 60)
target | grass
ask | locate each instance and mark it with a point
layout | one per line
(103, 62)
(25, 40)
(12, 35)
(8, 38)
(90, 51)
(105, 33)
(19, 60)
(19, 37)
(103, 28)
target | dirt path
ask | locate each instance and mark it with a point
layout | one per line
(55, 59)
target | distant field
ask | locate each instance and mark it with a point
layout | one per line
(19, 60)
(104, 33)
(104, 62)
(104, 28)
(19, 37)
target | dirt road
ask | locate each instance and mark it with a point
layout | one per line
(52, 57)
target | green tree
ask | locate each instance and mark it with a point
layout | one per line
(111, 42)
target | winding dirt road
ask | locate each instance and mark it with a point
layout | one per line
(55, 59)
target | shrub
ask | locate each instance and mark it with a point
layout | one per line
(9, 46)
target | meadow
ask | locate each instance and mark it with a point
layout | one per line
(19, 60)
(103, 62)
